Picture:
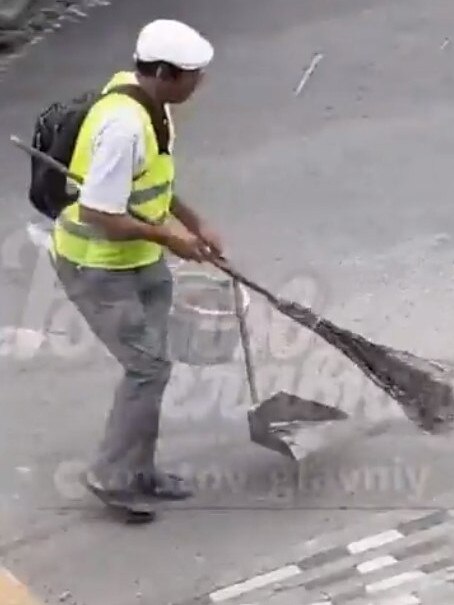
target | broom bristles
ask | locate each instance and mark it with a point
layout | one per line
(423, 387)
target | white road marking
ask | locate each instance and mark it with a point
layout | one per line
(236, 590)
(374, 541)
(359, 546)
(394, 581)
(374, 564)
(308, 73)
(405, 599)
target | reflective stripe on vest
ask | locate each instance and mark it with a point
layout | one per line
(146, 195)
(136, 198)
(89, 232)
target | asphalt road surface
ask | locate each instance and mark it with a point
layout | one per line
(335, 189)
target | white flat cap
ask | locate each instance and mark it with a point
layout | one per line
(173, 42)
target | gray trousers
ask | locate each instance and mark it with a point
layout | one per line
(128, 311)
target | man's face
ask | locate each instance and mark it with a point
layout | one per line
(181, 88)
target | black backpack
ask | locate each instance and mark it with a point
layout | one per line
(55, 134)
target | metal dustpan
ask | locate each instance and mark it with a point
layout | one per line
(287, 423)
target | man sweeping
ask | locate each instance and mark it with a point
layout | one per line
(108, 249)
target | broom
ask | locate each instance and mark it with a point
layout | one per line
(423, 387)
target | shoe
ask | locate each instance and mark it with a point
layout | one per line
(130, 506)
(163, 486)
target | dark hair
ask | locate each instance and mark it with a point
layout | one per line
(150, 69)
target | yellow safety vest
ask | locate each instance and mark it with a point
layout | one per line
(151, 194)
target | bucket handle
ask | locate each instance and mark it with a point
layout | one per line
(246, 344)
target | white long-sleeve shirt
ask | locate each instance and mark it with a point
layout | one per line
(118, 154)
(118, 151)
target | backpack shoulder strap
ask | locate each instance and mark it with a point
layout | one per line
(134, 91)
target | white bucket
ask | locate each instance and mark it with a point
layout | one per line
(203, 324)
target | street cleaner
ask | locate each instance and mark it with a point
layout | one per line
(108, 249)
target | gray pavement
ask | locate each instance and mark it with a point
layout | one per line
(338, 196)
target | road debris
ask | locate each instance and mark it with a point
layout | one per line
(23, 470)
(20, 343)
(308, 73)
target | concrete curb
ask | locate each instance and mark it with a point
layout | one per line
(11, 12)
(13, 592)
